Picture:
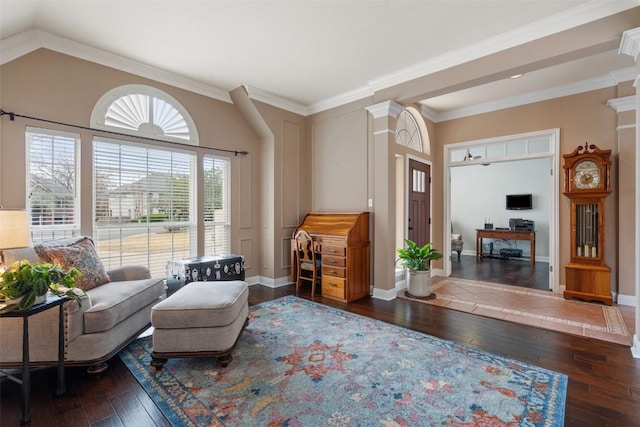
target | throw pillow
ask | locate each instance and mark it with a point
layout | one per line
(81, 255)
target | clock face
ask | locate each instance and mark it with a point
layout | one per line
(586, 175)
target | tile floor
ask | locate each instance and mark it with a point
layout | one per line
(542, 309)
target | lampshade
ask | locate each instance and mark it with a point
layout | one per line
(14, 229)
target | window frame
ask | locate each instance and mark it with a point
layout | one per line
(42, 232)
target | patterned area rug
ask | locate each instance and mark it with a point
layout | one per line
(300, 363)
(530, 307)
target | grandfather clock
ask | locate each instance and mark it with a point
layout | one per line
(587, 185)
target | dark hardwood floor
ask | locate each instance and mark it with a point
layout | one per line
(603, 389)
(516, 272)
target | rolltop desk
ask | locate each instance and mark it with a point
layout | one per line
(342, 240)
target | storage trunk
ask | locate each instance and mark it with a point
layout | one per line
(210, 268)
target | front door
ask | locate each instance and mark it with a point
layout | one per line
(419, 202)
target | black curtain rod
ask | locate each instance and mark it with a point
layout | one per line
(12, 117)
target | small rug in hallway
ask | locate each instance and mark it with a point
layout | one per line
(531, 307)
(299, 363)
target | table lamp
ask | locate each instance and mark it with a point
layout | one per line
(14, 231)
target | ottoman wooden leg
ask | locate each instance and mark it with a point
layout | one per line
(225, 359)
(158, 362)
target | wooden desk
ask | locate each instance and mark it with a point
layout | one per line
(342, 240)
(507, 235)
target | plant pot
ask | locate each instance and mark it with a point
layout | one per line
(419, 284)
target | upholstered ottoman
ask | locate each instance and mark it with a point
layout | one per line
(202, 319)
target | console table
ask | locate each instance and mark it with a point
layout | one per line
(507, 235)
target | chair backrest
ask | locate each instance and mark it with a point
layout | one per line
(304, 246)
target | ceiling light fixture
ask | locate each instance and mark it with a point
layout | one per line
(515, 76)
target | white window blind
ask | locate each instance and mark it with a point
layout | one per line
(216, 205)
(144, 206)
(53, 200)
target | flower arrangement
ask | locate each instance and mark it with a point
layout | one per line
(23, 282)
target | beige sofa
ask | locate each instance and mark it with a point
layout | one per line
(111, 315)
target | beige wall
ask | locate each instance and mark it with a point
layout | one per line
(326, 162)
(581, 118)
(58, 87)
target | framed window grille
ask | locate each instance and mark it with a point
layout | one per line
(217, 224)
(143, 206)
(53, 201)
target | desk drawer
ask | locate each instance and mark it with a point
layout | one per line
(334, 250)
(329, 270)
(333, 287)
(333, 261)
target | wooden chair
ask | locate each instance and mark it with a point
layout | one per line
(308, 266)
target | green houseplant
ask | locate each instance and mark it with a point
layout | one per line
(417, 260)
(24, 282)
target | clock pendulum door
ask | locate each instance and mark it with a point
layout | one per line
(587, 276)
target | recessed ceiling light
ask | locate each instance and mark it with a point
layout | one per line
(515, 76)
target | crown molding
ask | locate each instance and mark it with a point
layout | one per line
(15, 46)
(625, 74)
(28, 41)
(568, 19)
(429, 113)
(625, 103)
(630, 43)
(342, 99)
(276, 101)
(531, 97)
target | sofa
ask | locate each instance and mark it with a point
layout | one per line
(115, 309)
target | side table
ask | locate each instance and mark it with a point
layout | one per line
(25, 380)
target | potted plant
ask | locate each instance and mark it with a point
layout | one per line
(25, 284)
(417, 260)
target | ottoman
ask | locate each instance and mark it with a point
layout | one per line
(202, 319)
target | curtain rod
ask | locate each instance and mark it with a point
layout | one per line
(12, 117)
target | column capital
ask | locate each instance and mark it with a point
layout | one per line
(625, 103)
(630, 43)
(385, 109)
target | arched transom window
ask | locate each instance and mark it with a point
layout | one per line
(144, 111)
(408, 131)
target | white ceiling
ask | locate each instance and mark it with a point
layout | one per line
(312, 55)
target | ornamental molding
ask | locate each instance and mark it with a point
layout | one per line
(385, 109)
(630, 43)
(625, 103)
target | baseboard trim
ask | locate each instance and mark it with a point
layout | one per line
(629, 300)
(268, 282)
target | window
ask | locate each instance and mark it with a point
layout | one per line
(52, 183)
(411, 131)
(216, 205)
(144, 111)
(143, 209)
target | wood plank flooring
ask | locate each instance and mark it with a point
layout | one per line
(514, 272)
(603, 390)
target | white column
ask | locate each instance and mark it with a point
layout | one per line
(630, 45)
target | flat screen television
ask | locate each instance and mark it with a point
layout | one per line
(519, 202)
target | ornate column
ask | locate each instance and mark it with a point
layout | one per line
(630, 45)
(383, 204)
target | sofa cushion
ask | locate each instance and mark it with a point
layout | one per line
(116, 301)
(81, 255)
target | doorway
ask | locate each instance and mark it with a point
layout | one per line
(478, 177)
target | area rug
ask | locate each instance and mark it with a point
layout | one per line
(531, 307)
(299, 363)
